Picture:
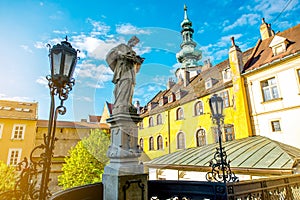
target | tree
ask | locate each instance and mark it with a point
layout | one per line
(7, 177)
(86, 162)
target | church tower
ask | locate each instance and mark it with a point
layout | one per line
(188, 55)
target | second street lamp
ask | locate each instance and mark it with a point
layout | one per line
(221, 171)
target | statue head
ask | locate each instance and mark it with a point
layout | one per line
(133, 41)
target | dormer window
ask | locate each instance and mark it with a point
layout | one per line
(163, 101)
(226, 73)
(179, 94)
(171, 98)
(278, 45)
(152, 105)
(208, 83)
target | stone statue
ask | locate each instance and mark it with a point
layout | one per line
(124, 62)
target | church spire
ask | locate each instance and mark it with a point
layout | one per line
(188, 55)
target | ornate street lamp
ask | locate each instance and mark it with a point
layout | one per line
(221, 171)
(63, 59)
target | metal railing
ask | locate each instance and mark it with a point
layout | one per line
(167, 189)
(274, 188)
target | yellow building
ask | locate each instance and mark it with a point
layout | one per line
(68, 134)
(179, 117)
(17, 130)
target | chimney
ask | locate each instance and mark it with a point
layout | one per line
(206, 64)
(235, 58)
(186, 79)
(265, 30)
(170, 83)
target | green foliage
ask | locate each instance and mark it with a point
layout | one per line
(86, 162)
(7, 177)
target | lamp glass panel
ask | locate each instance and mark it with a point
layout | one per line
(213, 107)
(68, 64)
(220, 106)
(56, 59)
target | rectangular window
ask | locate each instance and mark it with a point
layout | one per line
(229, 132)
(269, 89)
(14, 156)
(275, 126)
(18, 132)
(1, 130)
(225, 98)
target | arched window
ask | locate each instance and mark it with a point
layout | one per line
(160, 143)
(151, 122)
(201, 137)
(180, 140)
(151, 143)
(198, 109)
(179, 114)
(141, 144)
(159, 119)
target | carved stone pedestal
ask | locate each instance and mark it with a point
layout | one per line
(124, 176)
(120, 187)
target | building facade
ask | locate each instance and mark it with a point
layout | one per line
(17, 130)
(260, 89)
(179, 117)
(68, 134)
(272, 76)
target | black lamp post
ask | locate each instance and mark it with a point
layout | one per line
(63, 59)
(221, 171)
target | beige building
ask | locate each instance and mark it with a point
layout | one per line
(17, 130)
(68, 134)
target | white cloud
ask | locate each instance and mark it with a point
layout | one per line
(99, 28)
(95, 48)
(225, 40)
(26, 48)
(40, 45)
(245, 19)
(89, 70)
(65, 32)
(84, 98)
(42, 81)
(16, 98)
(94, 85)
(128, 29)
(273, 7)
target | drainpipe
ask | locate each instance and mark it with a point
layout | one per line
(169, 132)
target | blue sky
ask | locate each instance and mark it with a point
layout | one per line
(95, 27)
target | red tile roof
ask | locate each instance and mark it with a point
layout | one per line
(262, 53)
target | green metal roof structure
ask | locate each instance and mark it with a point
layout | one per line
(252, 155)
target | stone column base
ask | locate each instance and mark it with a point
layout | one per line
(133, 187)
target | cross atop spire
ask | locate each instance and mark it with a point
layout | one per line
(188, 55)
(185, 11)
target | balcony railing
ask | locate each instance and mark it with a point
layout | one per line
(274, 188)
